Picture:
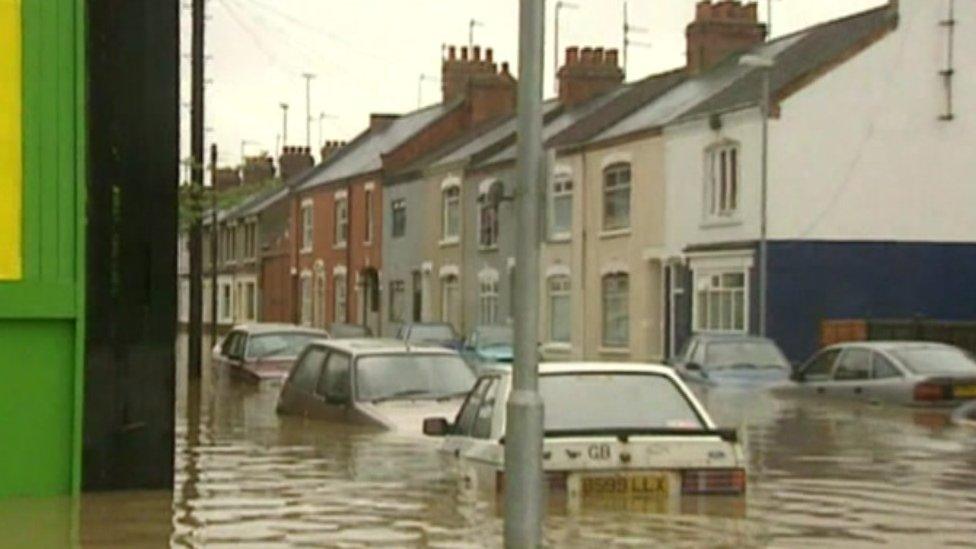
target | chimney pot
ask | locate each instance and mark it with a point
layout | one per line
(598, 56)
(451, 53)
(464, 53)
(489, 55)
(476, 53)
(572, 55)
(504, 67)
(612, 57)
(587, 57)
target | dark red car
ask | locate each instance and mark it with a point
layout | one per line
(258, 352)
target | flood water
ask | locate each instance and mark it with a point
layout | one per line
(819, 475)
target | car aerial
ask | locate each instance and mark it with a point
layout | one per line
(441, 334)
(383, 383)
(488, 345)
(611, 430)
(731, 360)
(263, 351)
(349, 331)
(899, 372)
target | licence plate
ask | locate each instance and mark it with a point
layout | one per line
(625, 484)
(964, 391)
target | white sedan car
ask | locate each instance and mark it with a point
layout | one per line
(611, 431)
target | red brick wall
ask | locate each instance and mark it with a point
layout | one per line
(719, 30)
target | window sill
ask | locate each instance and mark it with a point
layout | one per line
(341, 246)
(615, 233)
(620, 351)
(453, 241)
(717, 223)
(306, 251)
(486, 249)
(557, 348)
(560, 238)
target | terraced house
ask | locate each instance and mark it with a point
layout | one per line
(337, 211)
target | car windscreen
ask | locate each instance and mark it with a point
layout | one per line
(615, 401)
(392, 376)
(726, 354)
(436, 332)
(936, 360)
(499, 336)
(282, 344)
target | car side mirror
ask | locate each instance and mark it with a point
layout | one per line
(436, 426)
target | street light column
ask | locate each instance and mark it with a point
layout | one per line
(524, 421)
(764, 208)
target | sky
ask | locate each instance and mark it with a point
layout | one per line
(368, 55)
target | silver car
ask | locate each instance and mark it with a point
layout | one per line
(899, 372)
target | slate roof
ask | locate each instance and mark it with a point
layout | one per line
(730, 86)
(363, 154)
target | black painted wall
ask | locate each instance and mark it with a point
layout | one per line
(133, 133)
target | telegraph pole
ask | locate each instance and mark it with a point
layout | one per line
(214, 241)
(524, 422)
(308, 108)
(195, 343)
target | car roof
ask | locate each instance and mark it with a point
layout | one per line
(269, 327)
(376, 346)
(889, 345)
(555, 368)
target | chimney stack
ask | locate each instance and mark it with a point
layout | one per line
(293, 161)
(257, 169)
(489, 92)
(226, 178)
(587, 73)
(721, 29)
(330, 148)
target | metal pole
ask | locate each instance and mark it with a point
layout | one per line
(214, 242)
(308, 108)
(555, 53)
(195, 343)
(524, 422)
(763, 243)
(284, 125)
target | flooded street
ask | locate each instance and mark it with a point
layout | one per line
(820, 474)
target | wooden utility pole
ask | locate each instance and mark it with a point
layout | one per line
(214, 243)
(195, 344)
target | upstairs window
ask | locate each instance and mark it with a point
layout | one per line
(561, 207)
(616, 197)
(488, 215)
(341, 221)
(307, 227)
(399, 208)
(722, 181)
(368, 204)
(451, 223)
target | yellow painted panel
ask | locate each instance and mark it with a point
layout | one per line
(11, 167)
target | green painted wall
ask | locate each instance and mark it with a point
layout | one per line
(41, 316)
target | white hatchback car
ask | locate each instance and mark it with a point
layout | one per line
(611, 430)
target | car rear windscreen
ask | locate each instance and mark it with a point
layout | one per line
(389, 376)
(615, 401)
(279, 344)
(936, 360)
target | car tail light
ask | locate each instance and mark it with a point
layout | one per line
(929, 392)
(713, 481)
(555, 481)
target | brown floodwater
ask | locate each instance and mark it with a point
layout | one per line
(820, 474)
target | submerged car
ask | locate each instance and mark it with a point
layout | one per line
(898, 372)
(727, 360)
(489, 345)
(611, 430)
(440, 334)
(349, 331)
(259, 352)
(381, 383)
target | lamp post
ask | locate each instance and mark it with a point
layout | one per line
(765, 65)
(524, 421)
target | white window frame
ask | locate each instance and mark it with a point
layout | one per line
(488, 297)
(308, 226)
(305, 295)
(341, 237)
(318, 295)
(709, 284)
(618, 187)
(484, 208)
(606, 343)
(558, 285)
(722, 193)
(560, 188)
(450, 200)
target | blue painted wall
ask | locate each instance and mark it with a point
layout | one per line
(813, 281)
